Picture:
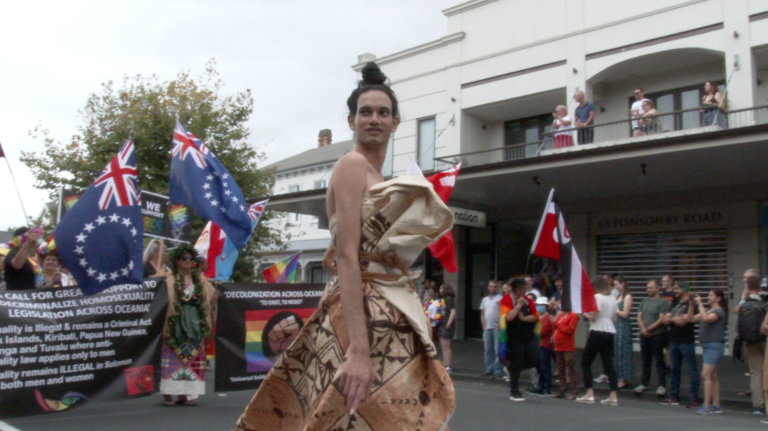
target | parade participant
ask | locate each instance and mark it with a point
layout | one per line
(565, 326)
(19, 273)
(188, 323)
(447, 328)
(433, 307)
(523, 348)
(712, 339)
(357, 373)
(53, 277)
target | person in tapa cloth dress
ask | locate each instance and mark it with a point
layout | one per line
(364, 360)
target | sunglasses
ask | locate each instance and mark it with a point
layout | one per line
(186, 257)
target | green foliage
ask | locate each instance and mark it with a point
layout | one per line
(144, 108)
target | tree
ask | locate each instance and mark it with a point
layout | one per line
(145, 109)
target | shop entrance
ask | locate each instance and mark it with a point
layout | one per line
(481, 268)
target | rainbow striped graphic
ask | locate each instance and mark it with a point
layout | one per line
(179, 216)
(262, 349)
(283, 271)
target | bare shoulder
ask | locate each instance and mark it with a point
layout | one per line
(351, 165)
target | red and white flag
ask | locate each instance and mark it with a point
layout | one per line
(553, 241)
(443, 249)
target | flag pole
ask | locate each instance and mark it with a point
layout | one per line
(528, 264)
(26, 218)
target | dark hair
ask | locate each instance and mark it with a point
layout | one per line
(601, 284)
(21, 231)
(448, 290)
(373, 79)
(516, 283)
(641, 89)
(713, 85)
(671, 278)
(557, 278)
(720, 293)
(434, 289)
(620, 278)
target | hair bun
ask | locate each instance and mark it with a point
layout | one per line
(372, 75)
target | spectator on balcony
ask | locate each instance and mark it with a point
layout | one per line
(637, 109)
(649, 124)
(562, 122)
(713, 101)
(585, 116)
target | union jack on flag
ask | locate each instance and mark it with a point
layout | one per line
(186, 144)
(119, 176)
(256, 210)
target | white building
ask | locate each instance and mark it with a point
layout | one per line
(308, 171)
(687, 200)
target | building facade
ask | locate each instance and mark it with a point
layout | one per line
(686, 198)
(309, 171)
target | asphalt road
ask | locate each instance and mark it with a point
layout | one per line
(480, 407)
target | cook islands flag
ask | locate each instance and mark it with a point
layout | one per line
(99, 240)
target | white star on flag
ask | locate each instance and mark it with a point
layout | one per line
(101, 220)
(113, 275)
(209, 177)
(206, 186)
(234, 199)
(214, 203)
(126, 222)
(133, 231)
(91, 272)
(114, 218)
(124, 271)
(227, 192)
(81, 237)
(242, 208)
(89, 227)
(225, 176)
(223, 209)
(83, 262)
(101, 277)
(79, 249)
(208, 195)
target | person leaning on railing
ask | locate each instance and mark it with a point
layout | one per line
(562, 122)
(647, 123)
(713, 101)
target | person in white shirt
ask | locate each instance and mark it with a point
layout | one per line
(600, 341)
(562, 124)
(637, 110)
(489, 317)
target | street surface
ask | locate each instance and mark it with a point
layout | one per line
(480, 406)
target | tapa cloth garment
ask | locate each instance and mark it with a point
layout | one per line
(182, 370)
(412, 390)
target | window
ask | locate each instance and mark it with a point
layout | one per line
(293, 188)
(387, 170)
(525, 131)
(426, 144)
(320, 184)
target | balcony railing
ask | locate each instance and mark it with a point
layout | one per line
(668, 124)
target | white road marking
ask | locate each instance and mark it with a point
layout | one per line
(5, 427)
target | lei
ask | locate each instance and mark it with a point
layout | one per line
(439, 313)
(198, 298)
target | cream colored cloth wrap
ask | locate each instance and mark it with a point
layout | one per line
(417, 218)
(411, 388)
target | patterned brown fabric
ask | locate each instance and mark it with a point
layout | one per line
(412, 390)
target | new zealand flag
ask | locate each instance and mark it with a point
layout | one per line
(200, 181)
(99, 240)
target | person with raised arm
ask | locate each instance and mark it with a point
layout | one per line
(367, 347)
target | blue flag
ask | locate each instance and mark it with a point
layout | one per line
(200, 181)
(99, 240)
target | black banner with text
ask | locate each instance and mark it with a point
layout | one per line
(256, 323)
(59, 348)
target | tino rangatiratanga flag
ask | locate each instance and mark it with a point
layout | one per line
(553, 241)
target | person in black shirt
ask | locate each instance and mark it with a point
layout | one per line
(682, 344)
(521, 342)
(19, 274)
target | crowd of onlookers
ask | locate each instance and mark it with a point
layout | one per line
(31, 263)
(540, 333)
(643, 113)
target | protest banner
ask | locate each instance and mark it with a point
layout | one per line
(164, 220)
(59, 349)
(256, 323)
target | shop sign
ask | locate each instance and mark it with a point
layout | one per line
(465, 217)
(661, 220)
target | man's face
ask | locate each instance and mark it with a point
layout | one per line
(639, 95)
(518, 292)
(653, 288)
(559, 284)
(528, 284)
(578, 96)
(666, 282)
(678, 291)
(374, 122)
(493, 287)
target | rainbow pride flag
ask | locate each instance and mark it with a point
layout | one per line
(268, 333)
(506, 305)
(283, 271)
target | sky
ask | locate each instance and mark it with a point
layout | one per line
(295, 56)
